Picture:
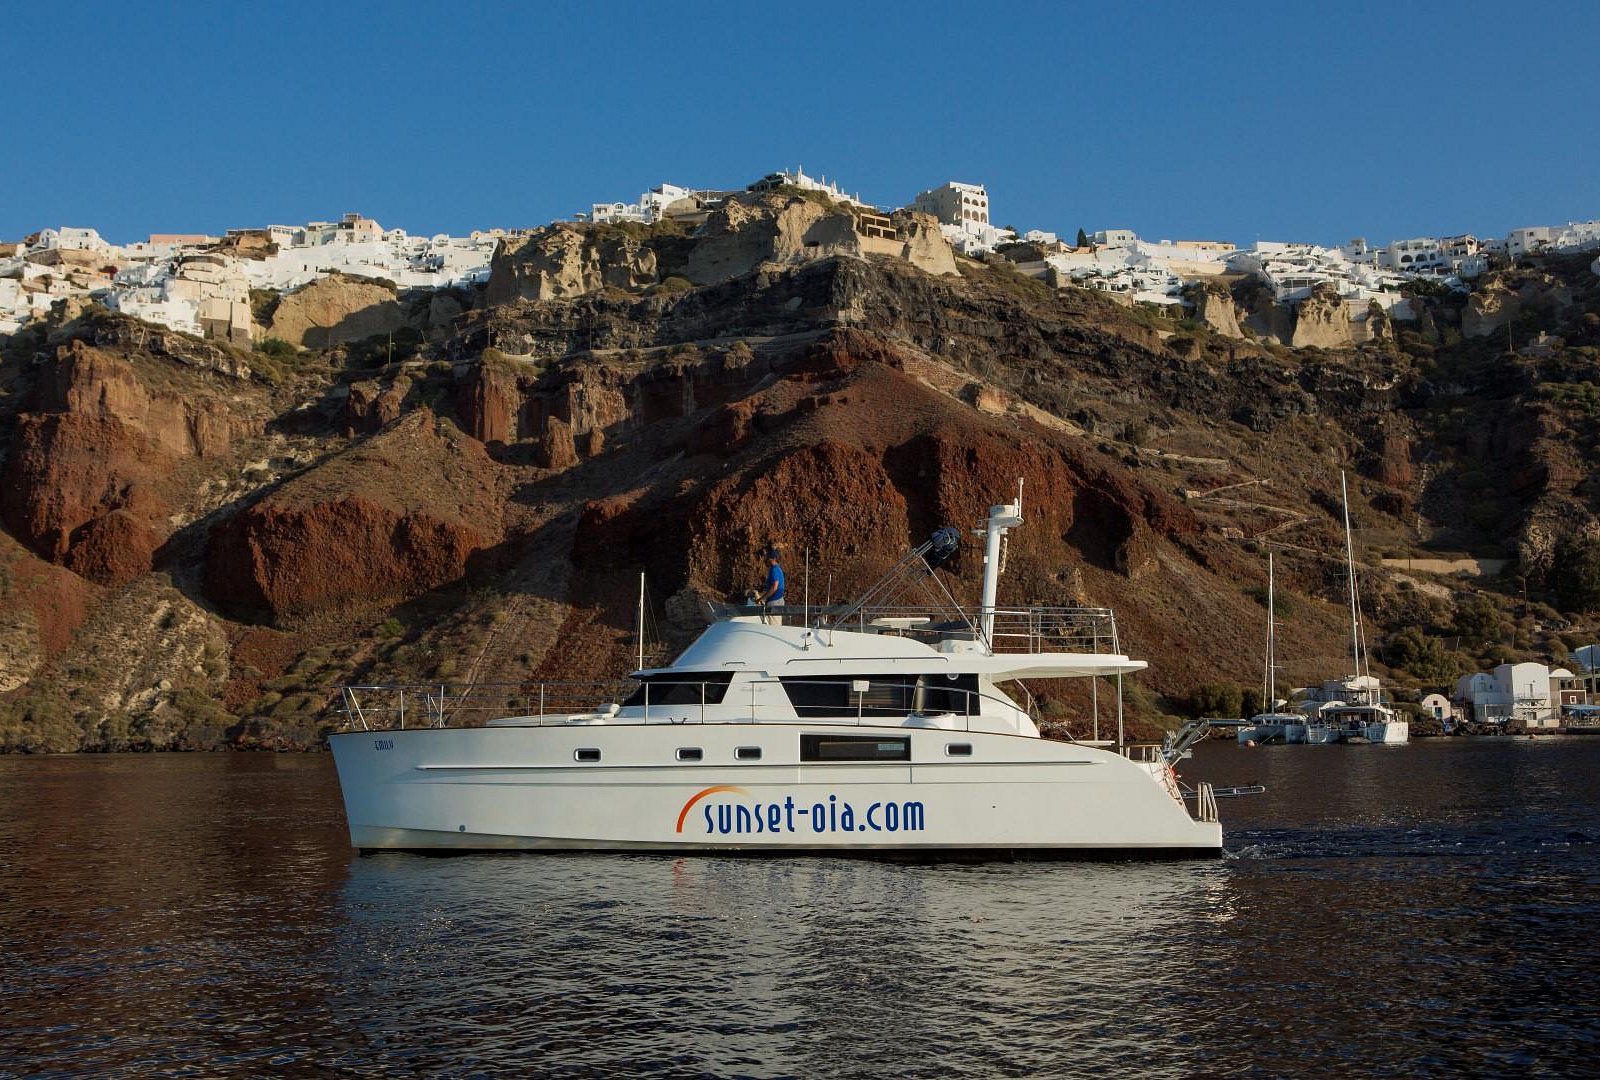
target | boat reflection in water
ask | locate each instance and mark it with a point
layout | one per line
(630, 965)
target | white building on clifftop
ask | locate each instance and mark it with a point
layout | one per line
(963, 214)
(651, 207)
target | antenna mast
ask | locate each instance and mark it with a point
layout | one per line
(1001, 519)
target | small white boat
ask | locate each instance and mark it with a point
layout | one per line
(871, 730)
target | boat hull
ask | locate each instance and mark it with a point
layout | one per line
(1391, 732)
(526, 789)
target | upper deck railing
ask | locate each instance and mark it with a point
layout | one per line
(1016, 629)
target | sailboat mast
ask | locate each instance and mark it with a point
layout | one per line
(1268, 702)
(1350, 571)
(641, 620)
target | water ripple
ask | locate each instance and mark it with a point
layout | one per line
(204, 916)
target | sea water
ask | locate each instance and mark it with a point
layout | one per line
(1418, 910)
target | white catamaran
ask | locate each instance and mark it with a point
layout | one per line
(873, 729)
(1352, 709)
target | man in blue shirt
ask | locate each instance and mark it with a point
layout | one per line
(772, 595)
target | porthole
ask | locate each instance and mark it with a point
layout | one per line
(748, 753)
(958, 749)
(586, 753)
(689, 753)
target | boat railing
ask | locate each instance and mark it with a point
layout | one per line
(1016, 629)
(382, 706)
(1055, 629)
(655, 701)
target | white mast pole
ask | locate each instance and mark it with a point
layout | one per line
(1121, 740)
(1350, 570)
(1001, 518)
(641, 619)
(1267, 697)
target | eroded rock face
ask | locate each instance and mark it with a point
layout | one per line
(489, 402)
(1215, 308)
(565, 261)
(92, 468)
(398, 514)
(745, 234)
(1322, 321)
(373, 405)
(41, 606)
(1488, 312)
(337, 309)
(923, 245)
(114, 548)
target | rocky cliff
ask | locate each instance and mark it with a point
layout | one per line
(200, 541)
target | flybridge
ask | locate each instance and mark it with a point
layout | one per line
(889, 605)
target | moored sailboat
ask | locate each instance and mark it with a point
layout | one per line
(1352, 709)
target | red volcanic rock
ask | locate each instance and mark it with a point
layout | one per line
(91, 382)
(1394, 461)
(834, 498)
(293, 561)
(66, 470)
(589, 400)
(397, 515)
(102, 443)
(370, 406)
(488, 402)
(724, 431)
(556, 449)
(843, 351)
(113, 549)
(41, 607)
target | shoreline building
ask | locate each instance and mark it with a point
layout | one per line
(1513, 696)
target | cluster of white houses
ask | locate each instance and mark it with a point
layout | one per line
(1526, 696)
(1119, 262)
(201, 284)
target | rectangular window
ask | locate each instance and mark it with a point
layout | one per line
(819, 696)
(587, 753)
(748, 753)
(689, 753)
(942, 694)
(958, 749)
(684, 688)
(855, 748)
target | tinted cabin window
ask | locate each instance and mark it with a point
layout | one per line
(748, 753)
(689, 753)
(958, 749)
(854, 748)
(940, 694)
(886, 695)
(587, 754)
(682, 688)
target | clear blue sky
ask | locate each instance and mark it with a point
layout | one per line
(1234, 121)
